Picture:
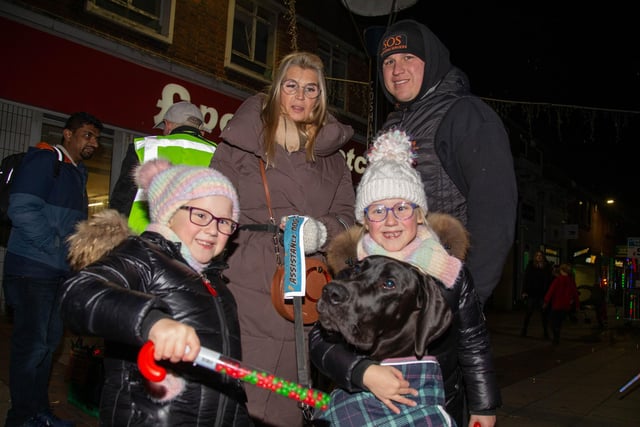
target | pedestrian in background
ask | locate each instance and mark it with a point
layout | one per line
(166, 286)
(48, 198)
(290, 131)
(463, 150)
(182, 143)
(537, 278)
(561, 297)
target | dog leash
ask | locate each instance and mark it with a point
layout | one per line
(298, 323)
(294, 280)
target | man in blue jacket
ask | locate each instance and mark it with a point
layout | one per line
(464, 157)
(48, 197)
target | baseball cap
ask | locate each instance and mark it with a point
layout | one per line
(184, 113)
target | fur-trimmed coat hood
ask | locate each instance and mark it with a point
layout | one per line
(96, 236)
(341, 251)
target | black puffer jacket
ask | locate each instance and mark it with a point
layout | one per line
(463, 352)
(98, 301)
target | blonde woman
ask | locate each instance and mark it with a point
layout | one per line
(289, 129)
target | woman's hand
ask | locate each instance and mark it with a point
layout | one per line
(388, 385)
(174, 341)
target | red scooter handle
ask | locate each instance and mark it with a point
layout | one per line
(147, 364)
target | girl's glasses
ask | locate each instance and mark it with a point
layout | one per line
(402, 211)
(203, 218)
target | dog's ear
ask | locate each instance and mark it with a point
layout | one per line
(435, 315)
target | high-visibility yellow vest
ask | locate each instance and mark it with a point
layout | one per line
(179, 149)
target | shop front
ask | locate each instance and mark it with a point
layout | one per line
(55, 73)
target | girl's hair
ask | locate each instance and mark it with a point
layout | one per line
(565, 268)
(271, 109)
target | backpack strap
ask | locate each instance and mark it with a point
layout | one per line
(59, 152)
(59, 162)
(46, 146)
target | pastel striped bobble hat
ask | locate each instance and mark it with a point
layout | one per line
(169, 187)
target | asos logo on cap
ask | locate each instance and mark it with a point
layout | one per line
(393, 42)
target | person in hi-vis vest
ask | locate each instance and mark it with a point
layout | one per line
(181, 143)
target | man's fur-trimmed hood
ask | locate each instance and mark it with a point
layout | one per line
(341, 252)
(96, 237)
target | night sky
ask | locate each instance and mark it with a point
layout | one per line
(587, 56)
(575, 72)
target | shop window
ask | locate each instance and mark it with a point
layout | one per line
(335, 65)
(151, 17)
(251, 38)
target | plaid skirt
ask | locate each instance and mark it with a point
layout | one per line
(364, 409)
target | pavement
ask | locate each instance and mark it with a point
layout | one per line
(575, 383)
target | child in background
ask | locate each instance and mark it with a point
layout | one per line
(562, 296)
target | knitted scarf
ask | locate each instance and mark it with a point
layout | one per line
(424, 252)
(287, 134)
(168, 234)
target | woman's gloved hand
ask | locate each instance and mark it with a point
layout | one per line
(314, 234)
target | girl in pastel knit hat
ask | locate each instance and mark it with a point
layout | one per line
(165, 286)
(203, 195)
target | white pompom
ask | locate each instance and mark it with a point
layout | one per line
(392, 145)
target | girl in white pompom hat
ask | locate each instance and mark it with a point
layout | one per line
(392, 207)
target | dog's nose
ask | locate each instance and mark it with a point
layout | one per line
(335, 293)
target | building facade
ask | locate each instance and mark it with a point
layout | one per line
(127, 62)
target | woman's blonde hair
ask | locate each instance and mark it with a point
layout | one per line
(271, 108)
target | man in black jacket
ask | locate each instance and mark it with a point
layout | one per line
(463, 150)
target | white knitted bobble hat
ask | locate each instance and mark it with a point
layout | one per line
(390, 173)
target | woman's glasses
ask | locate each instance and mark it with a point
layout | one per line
(402, 211)
(203, 218)
(311, 90)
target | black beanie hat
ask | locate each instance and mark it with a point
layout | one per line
(402, 37)
(409, 36)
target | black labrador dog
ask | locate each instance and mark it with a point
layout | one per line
(385, 308)
(390, 310)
